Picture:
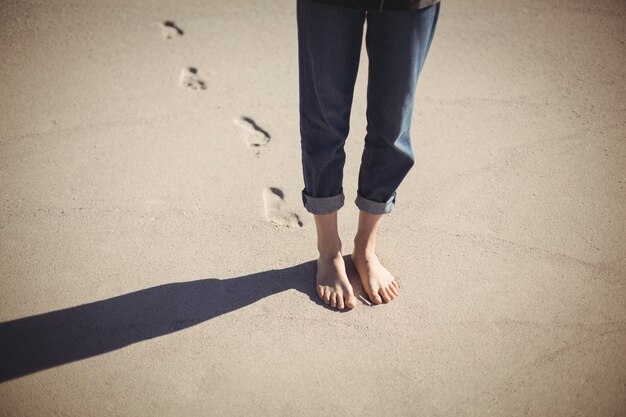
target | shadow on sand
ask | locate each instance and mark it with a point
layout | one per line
(35, 343)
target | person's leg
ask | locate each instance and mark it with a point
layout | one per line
(332, 283)
(377, 281)
(329, 45)
(397, 44)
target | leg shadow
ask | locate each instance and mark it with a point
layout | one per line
(35, 343)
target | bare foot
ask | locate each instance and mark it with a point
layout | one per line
(378, 282)
(333, 285)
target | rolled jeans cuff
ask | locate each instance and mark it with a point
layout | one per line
(375, 207)
(322, 205)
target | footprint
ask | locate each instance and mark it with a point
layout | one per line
(170, 30)
(254, 135)
(275, 210)
(189, 79)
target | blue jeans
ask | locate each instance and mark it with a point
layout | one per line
(329, 46)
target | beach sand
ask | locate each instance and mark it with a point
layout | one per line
(156, 259)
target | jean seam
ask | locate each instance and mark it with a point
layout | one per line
(376, 207)
(323, 205)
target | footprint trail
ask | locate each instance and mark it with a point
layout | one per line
(276, 211)
(170, 29)
(254, 135)
(189, 79)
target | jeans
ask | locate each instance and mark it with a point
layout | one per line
(329, 47)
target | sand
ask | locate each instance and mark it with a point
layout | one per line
(156, 260)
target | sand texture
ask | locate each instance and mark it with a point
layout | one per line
(156, 259)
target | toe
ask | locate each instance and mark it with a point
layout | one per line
(384, 295)
(392, 291)
(333, 300)
(350, 300)
(327, 295)
(320, 291)
(375, 297)
(340, 302)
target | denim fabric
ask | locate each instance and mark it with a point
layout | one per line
(381, 4)
(329, 45)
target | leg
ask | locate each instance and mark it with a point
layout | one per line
(332, 281)
(397, 44)
(377, 280)
(329, 45)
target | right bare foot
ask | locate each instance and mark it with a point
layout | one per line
(333, 286)
(377, 281)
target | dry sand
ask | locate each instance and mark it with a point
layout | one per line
(142, 273)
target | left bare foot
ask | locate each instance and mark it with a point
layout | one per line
(378, 282)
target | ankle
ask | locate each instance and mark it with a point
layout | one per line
(364, 245)
(329, 250)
